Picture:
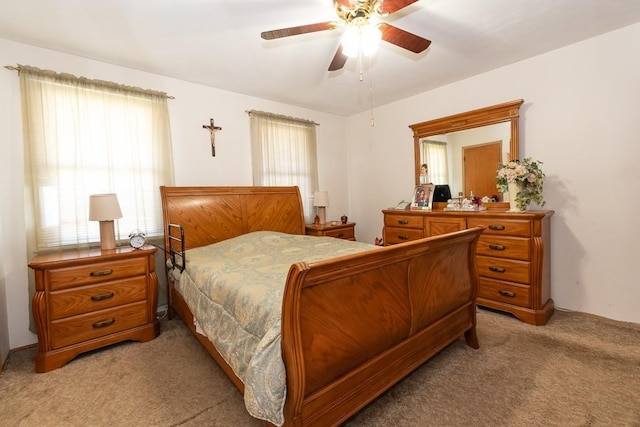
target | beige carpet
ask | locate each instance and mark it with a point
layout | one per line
(579, 370)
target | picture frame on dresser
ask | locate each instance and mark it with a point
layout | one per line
(422, 197)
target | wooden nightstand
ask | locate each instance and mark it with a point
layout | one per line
(88, 299)
(340, 231)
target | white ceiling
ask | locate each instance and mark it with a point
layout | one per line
(217, 42)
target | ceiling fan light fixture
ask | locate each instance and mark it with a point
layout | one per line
(370, 37)
(351, 41)
(365, 38)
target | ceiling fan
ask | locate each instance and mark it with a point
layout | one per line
(356, 15)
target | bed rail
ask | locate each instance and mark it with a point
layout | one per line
(175, 234)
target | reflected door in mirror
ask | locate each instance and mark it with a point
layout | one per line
(480, 163)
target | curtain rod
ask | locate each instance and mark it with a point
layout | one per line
(14, 68)
(281, 116)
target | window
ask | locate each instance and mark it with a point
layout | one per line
(434, 153)
(284, 153)
(86, 137)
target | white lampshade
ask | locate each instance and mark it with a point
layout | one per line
(321, 198)
(104, 207)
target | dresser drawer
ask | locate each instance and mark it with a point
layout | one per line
(506, 227)
(84, 327)
(404, 221)
(394, 235)
(510, 293)
(62, 278)
(504, 247)
(84, 299)
(503, 269)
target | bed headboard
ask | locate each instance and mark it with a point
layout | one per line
(212, 214)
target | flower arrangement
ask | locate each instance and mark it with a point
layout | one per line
(529, 178)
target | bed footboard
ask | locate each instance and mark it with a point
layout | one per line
(354, 326)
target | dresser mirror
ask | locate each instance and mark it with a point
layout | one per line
(475, 142)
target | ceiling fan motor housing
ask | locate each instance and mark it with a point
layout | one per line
(357, 14)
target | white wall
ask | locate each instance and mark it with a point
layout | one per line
(192, 107)
(580, 117)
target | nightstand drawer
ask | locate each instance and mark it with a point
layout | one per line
(510, 293)
(346, 233)
(96, 297)
(339, 231)
(84, 327)
(504, 247)
(62, 278)
(503, 269)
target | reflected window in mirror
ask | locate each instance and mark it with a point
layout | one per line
(434, 168)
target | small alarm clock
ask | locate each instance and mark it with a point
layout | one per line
(137, 239)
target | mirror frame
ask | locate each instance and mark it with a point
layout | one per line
(500, 113)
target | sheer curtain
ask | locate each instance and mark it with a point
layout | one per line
(85, 137)
(283, 152)
(435, 154)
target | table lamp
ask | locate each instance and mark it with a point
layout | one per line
(105, 208)
(320, 201)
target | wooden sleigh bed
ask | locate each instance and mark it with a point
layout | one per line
(352, 326)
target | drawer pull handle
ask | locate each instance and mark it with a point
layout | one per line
(103, 323)
(497, 247)
(102, 296)
(403, 237)
(497, 269)
(101, 273)
(340, 235)
(496, 227)
(403, 221)
(507, 293)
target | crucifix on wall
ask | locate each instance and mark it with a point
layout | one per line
(212, 129)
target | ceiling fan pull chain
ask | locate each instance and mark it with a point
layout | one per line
(373, 122)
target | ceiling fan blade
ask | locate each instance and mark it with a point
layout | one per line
(390, 6)
(339, 59)
(294, 31)
(402, 38)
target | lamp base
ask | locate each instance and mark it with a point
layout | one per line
(107, 236)
(322, 215)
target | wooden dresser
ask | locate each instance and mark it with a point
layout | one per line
(512, 256)
(88, 299)
(340, 231)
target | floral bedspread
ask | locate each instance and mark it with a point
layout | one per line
(234, 288)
